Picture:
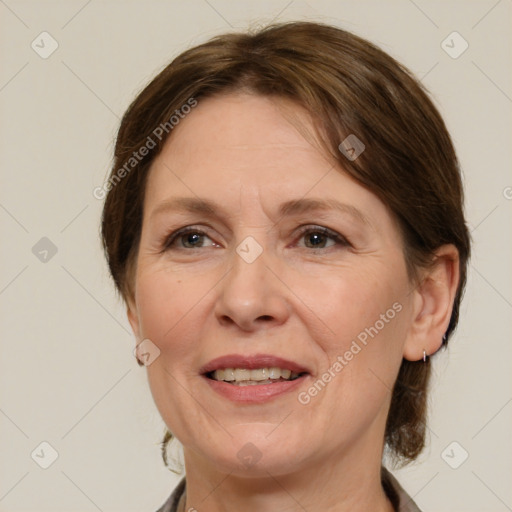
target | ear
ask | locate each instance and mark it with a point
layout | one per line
(133, 317)
(433, 304)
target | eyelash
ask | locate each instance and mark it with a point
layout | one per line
(169, 239)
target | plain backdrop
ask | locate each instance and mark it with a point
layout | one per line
(68, 376)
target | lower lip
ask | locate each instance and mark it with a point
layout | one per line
(253, 393)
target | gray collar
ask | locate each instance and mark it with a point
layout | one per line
(401, 501)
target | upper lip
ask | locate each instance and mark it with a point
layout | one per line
(252, 362)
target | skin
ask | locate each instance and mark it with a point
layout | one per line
(297, 300)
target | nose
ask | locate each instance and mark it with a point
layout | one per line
(251, 296)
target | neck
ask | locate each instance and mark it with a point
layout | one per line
(340, 483)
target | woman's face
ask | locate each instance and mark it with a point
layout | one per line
(287, 263)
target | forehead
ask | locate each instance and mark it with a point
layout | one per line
(236, 131)
(244, 148)
(235, 119)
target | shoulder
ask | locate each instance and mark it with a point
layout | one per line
(401, 501)
(171, 505)
(397, 495)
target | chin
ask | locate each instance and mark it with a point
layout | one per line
(250, 453)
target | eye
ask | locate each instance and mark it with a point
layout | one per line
(187, 238)
(316, 237)
(319, 237)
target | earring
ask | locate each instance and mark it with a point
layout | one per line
(424, 356)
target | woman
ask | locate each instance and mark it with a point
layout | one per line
(284, 221)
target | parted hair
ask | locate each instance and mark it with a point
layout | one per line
(349, 87)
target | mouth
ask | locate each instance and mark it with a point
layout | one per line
(253, 378)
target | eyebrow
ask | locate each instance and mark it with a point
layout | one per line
(298, 206)
(286, 209)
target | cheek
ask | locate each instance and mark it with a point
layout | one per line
(168, 307)
(164, 299)
(168, 314)
(365, 315)
(349, 302)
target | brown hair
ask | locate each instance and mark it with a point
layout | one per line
(348, 86)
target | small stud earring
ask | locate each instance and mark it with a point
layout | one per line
(424, 356)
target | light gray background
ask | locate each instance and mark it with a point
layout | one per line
(68, 375)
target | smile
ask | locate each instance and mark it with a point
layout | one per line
(253, 377)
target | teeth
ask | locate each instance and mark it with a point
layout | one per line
(229, 374)
(286, 374)
(259, 374)
(242, 374)
(246, 377)
(274, 373)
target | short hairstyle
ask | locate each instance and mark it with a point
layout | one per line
(349, 87)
